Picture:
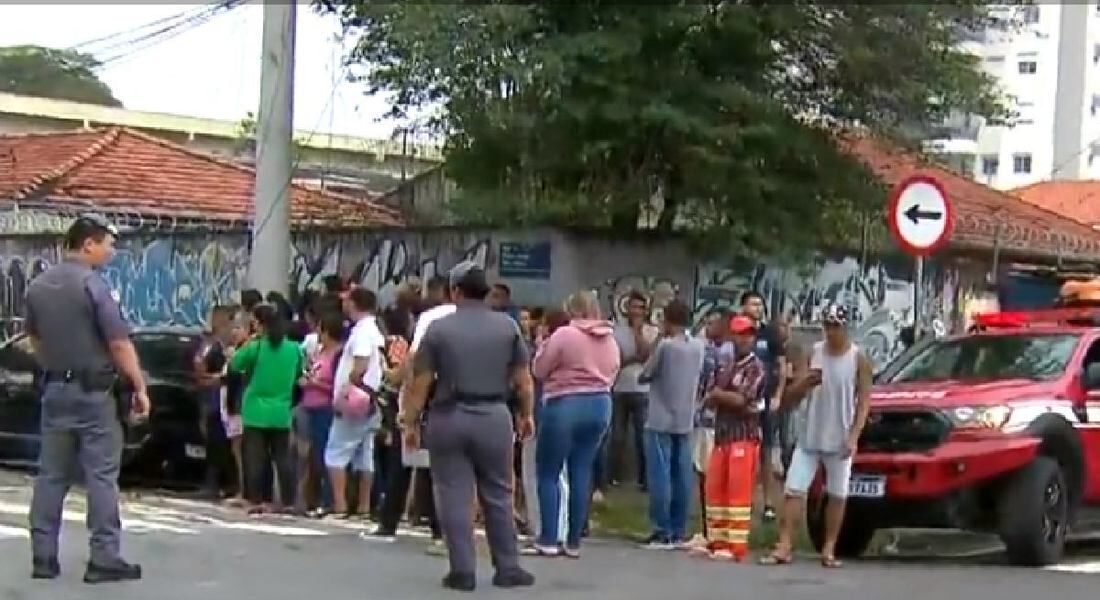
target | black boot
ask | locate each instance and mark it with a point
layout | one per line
(45, 568)
(119, 570)
(513, 578)
(462, 582)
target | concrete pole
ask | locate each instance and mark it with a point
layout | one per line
(269, 263)
(918, 282)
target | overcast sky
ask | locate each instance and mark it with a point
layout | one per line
(212, 71)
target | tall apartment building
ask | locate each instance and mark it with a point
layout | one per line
(1047, 60)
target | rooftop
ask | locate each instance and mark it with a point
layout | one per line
(122, 171)
(1077, 200)
(984, 217)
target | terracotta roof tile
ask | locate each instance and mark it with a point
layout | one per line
(123, 170)
(1024, 227)
(1077, 200)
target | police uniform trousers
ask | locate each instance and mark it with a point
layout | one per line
(470, 448)
(81, 434)
(730, 482)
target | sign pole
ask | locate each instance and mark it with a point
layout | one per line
(918, 278)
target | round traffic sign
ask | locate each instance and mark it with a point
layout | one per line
(920, 215)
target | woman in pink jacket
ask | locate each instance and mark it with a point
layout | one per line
(577, 367)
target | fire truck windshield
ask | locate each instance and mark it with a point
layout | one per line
(1021, 355)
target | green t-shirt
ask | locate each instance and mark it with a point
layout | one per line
(272, 373)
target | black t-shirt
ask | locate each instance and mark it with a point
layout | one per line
(770, 352)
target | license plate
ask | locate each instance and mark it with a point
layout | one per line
(194, 451)
(867, 486)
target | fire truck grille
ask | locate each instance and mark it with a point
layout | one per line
(904, 431)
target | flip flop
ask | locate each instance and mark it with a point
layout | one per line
(776, 559)
(830, 562)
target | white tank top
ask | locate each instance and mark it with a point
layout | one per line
(831, 408)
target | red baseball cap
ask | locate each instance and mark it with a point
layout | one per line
(741, 324)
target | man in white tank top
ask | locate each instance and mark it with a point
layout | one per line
(839, 384)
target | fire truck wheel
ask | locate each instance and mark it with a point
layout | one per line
(1032, 514)
(855, 535)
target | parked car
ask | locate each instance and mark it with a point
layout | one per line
(169, 445)
(994, 431)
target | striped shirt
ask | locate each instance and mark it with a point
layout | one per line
(745, 375)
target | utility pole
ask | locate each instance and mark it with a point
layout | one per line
(269, 263)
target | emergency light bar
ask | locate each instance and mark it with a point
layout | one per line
(1087, 317)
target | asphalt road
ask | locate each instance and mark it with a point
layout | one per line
(192, 551)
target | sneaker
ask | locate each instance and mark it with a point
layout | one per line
(723, 555)
(681, 544)
(462, 582)
(436, 548)
(45, 568)
(540, 550)
(380, 534)
(657, 542)
(769, 514)
(117, 571)
(513, 578)
(573, 553)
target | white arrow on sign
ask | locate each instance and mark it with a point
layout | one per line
(920, 215)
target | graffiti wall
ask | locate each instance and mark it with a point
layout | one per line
(878, 295)
(178, 279)
(384, 262)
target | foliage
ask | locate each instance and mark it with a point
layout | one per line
(718, 118)
(53, 73)
(245, 133)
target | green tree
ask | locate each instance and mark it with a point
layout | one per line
(53, 73)
(718, 118)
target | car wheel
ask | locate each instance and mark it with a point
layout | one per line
(1033, 514)
(855, 535)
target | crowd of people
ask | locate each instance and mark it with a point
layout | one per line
(303, 415)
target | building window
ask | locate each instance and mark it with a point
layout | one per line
(1027, 67)
(1021, 163)
(990, 164)
(1030, 14)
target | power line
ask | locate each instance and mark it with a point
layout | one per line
(183, 15)
(149, 40)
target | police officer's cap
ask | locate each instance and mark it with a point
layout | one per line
(91, 222)
(468, 274)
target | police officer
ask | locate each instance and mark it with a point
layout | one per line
(80, 338)
(477, 359)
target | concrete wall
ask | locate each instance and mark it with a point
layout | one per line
(177, 279)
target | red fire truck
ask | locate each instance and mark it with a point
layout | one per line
(997, 431)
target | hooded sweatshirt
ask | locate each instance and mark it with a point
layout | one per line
(673, 372)
(579, 358)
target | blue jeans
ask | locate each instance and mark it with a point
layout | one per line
(320, 421)
(570, 430)
(668, 462)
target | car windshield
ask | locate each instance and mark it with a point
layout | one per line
(165, 353)
(986, 357)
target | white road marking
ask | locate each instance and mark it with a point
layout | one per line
(145, 518)
(1088, 567)
(7, 532)
(78, 516)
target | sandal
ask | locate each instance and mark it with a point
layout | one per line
(776, 559)
(830, 562)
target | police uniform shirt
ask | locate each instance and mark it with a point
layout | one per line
(73, 313)
(473, 351)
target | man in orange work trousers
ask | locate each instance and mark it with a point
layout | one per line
(731, 472)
